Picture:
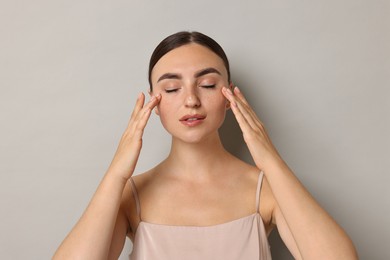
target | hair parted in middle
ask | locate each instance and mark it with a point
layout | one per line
(182, 38)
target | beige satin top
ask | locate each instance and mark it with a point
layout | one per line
(243, 238)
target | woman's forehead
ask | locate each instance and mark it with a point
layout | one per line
(188, 59)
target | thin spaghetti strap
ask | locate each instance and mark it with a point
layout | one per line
(259, 182)
(135, 195)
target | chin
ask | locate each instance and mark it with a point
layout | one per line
(191, 140)
(196, 137)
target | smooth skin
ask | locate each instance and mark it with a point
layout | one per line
(200, 183)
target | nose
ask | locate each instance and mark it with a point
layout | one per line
(192, 99)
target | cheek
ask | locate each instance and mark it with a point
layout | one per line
(217, 101)
(165, 109)
(217, 108)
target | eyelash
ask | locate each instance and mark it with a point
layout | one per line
(176, 89)
(208, 86)
(171, 90)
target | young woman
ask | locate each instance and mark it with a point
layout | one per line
(201, 202)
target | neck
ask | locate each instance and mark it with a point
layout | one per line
(197, 160)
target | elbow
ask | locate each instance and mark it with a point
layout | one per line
(345, 250)
(351, 252)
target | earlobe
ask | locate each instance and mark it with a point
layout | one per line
(231, 85)
(227, 106)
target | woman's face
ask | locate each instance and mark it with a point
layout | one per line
(190, 79)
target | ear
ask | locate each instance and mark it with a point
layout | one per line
(231, 86)
(227, 106)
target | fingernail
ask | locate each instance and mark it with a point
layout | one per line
(237, 89)
(230, 92)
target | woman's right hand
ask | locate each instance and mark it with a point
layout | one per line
(129, 148)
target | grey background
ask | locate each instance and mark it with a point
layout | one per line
(316, 72)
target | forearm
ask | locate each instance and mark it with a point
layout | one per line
(91, 236)
(315, 232)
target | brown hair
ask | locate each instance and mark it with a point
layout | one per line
(182, 38)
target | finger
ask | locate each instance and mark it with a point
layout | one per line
(237, 111)
(245, 111)
(246, 128)
(137, 107)
(239, 94)
(154, 100)
(139, 104)
(140, 107)
(256, 120)
(144, 115)
(247, 114)
(229, 96)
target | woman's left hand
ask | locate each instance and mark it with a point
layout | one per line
(296, 213)
(255, 135)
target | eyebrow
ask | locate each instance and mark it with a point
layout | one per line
(169, 76)
(196, 75)
(206, 71)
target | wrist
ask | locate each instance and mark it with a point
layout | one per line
(273, 163)
(117, 176)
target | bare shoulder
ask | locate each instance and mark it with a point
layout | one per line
(250, 175)
(142, 179)
(129, 201)
(148, 181)
(267, 200)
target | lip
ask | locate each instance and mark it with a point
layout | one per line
(192, 120)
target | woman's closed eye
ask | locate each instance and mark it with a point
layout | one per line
(171, 90)
(208, 86)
